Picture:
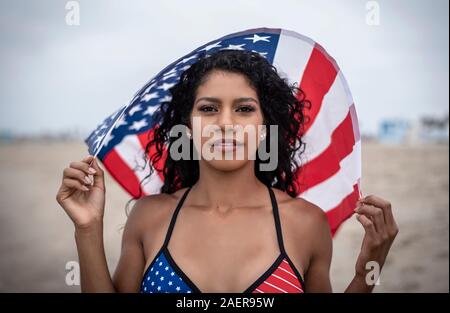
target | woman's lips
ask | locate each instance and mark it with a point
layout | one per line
(226, 144)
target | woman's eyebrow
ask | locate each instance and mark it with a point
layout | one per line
(245, 100)
(211, 99)
(216, 100)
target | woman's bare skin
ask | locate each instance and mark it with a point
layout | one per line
(225, 227)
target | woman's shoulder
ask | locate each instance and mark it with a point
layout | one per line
(154, 210)
(299, 211)
(305, 226)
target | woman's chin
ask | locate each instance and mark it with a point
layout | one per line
(226, 165)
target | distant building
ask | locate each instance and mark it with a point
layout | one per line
(6, 136)
(424, 130)
(393, 131)
(429, 129)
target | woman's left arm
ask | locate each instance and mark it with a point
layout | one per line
(375, 215)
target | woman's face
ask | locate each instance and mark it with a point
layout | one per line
(226, 121)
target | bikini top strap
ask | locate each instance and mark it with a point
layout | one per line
(174, 217)
(276, 216)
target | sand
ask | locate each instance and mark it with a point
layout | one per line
(36, 236)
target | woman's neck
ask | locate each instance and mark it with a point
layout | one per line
(225, 190)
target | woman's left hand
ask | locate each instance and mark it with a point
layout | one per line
(375, 215)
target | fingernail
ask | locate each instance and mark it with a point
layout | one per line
(91, 170)
(85, 188)
(87, 180)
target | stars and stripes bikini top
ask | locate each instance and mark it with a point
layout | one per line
(163, 275)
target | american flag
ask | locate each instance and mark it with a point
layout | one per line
(331, 171)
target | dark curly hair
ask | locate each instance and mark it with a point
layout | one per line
(281, 104)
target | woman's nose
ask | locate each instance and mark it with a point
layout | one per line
(225, 118)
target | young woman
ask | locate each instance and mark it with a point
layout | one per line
(222, 225)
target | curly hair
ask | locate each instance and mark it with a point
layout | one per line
(282, 104)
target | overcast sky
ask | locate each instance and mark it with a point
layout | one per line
(57, 77)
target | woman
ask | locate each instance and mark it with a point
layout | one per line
(238, 228)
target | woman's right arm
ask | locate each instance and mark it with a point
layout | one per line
(94, 273)
(84, 203)
(95, 276)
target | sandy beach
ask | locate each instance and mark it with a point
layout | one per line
(37, 240)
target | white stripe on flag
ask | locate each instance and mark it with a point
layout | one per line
(338, 186)
(291, 57)
(334, 109)
(131, 152)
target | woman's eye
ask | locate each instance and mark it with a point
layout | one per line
(246, 109)
(207, 109)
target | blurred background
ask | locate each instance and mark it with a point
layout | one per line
(61, 74)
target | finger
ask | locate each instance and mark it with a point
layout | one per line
(82, 166)
(79, 175)
(368, 225)
(99, 180)
(74, 183)
(374, 213)
(384, 205)
(88, 158)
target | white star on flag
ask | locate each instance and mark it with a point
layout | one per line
(234, 47)
(166, 77)
(166, 98)
(185, 68)
(138, 124)
(149, 87)
(121, 122)
(211, 46)
(257, 38)
(172, 71)
(147, 97)
(187, 59)
(166, 86)
(150, 110)
(134, 109)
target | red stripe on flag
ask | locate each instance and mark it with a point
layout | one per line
(327, 163)
(343, 211)
(319, 75)
(121, 172)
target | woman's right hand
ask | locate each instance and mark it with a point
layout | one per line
(83, 202)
